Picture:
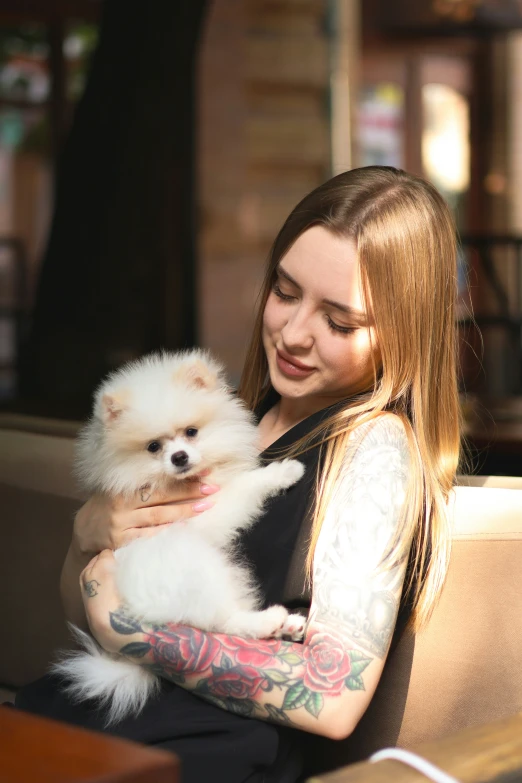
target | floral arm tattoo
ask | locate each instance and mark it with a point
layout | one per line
(355, 602)
(357, 582)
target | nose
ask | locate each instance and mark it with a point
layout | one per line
(297, 333)
(179, 459)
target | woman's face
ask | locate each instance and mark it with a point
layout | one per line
(316, 332)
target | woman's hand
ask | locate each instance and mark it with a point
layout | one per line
(109, 523)
(100, 598)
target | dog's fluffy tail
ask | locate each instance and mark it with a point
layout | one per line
(120, 686)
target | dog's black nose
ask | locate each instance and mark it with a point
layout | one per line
(179, 459)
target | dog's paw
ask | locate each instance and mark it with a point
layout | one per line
(289, 471)
(294, 627)
(273, 622)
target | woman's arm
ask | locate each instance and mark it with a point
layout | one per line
(325, 684)
(71, 596)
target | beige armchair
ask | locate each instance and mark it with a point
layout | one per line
(462, 670)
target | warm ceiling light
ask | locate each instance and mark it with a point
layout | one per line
(456, 10)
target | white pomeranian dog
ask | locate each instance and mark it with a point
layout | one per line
(156, 421)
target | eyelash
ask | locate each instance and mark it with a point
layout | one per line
(333, 326)
(277, 291)
(343, 329)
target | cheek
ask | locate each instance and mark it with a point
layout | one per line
(351, 357)
(272, 316)
(363, 345)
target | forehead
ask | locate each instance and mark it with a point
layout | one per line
(326, 266)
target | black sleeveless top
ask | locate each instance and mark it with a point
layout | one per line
(214, 744)
(276, 545)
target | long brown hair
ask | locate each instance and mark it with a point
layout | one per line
(406, 244)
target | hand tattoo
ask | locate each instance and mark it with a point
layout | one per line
(90, 588)
(145, 493)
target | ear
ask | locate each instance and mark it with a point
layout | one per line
(111, 409)
(197, 374)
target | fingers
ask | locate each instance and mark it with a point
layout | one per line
(150, 520)
(111, 522)
(155, 516)
(133, 533)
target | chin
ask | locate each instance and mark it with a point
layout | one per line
(287, 388)
(293, 389)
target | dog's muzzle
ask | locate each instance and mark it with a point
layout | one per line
(180, 459)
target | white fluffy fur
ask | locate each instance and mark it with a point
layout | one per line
(187, 572)
(119, 685)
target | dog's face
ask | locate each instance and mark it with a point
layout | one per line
(169, 420)
(176, 453)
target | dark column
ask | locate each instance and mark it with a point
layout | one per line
(117, 277)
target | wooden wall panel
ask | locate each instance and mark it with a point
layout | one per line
(264, 143)
(287, 140)
(288, 59)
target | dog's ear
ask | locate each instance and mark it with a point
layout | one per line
(197, 374)
(110, 408)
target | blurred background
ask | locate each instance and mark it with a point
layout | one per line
(149, 153)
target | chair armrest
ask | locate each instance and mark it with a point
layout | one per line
(482, 753)
(38, 749)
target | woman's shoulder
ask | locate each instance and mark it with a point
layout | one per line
(377, 447)
(385, 428)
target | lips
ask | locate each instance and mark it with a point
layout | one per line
(292, 367)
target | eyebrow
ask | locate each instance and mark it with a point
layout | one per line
(359, 315)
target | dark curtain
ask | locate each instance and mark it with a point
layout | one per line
(117, 277)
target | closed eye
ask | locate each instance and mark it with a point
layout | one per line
(337, 328)
(277, 291)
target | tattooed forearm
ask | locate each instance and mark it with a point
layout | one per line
(90, 588)
(356, 584)
(268, 679)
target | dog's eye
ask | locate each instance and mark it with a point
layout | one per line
(154, 446)
(191, 432)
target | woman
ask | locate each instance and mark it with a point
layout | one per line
(352, 367)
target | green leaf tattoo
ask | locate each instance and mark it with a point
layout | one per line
(290, 658)
(359, 662)
(276, 676)
(355, 683)
(297, 695)
(315, 704)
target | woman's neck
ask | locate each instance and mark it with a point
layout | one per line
(285, 414)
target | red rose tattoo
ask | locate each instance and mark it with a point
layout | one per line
(327, 664)
(235, 673)
(252, 652)
(188, 649)
(239, 683)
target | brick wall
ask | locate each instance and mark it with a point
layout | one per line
(264, 142)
